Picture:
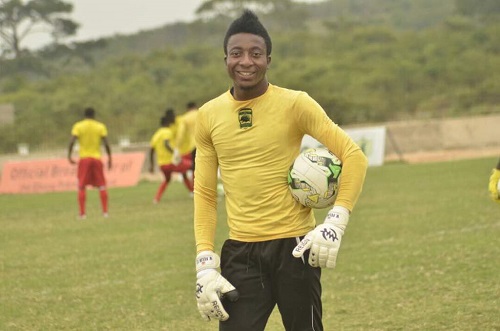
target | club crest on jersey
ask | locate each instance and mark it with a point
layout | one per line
(245, 118)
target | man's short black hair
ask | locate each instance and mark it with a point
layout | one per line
(248, 22)
(89, 112)
(169, 116)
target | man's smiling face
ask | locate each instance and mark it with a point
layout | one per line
(247, 62)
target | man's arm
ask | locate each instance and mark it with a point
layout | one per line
(108, 151)
(151, 160)
(323, 242)
(70, 149)
(166, 142)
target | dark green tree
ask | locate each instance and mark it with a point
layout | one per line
(483, 8)
(19, 19)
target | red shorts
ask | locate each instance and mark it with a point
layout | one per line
(182, 167)
(187, 158)
(90, 172)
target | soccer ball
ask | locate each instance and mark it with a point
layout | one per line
(314, 177)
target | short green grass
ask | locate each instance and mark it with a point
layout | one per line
(420, 253)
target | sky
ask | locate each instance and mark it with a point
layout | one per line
(106, 18)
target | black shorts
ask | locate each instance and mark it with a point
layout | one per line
(266, 274)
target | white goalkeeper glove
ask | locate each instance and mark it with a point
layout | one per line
(211, 287)
(324, 240)
(176, 157)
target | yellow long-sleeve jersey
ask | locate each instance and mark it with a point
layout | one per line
(254, 142)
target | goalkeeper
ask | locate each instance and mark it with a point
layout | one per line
(494, 183)
(276, 251)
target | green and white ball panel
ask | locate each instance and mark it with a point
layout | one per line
(314, 178)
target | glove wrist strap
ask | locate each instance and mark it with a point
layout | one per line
(338, 216)
(207, 260)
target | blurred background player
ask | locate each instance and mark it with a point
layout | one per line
(161, 144)
(184, 141)
(90, 135)
(176, 158)
(494, 184)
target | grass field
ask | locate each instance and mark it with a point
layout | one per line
(421, 253)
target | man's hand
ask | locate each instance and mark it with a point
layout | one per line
(493, 185)
(324, 240)
(211, 287)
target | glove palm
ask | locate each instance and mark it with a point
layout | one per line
(324, 241)
(211, 287)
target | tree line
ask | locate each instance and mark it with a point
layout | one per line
(365, 61)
